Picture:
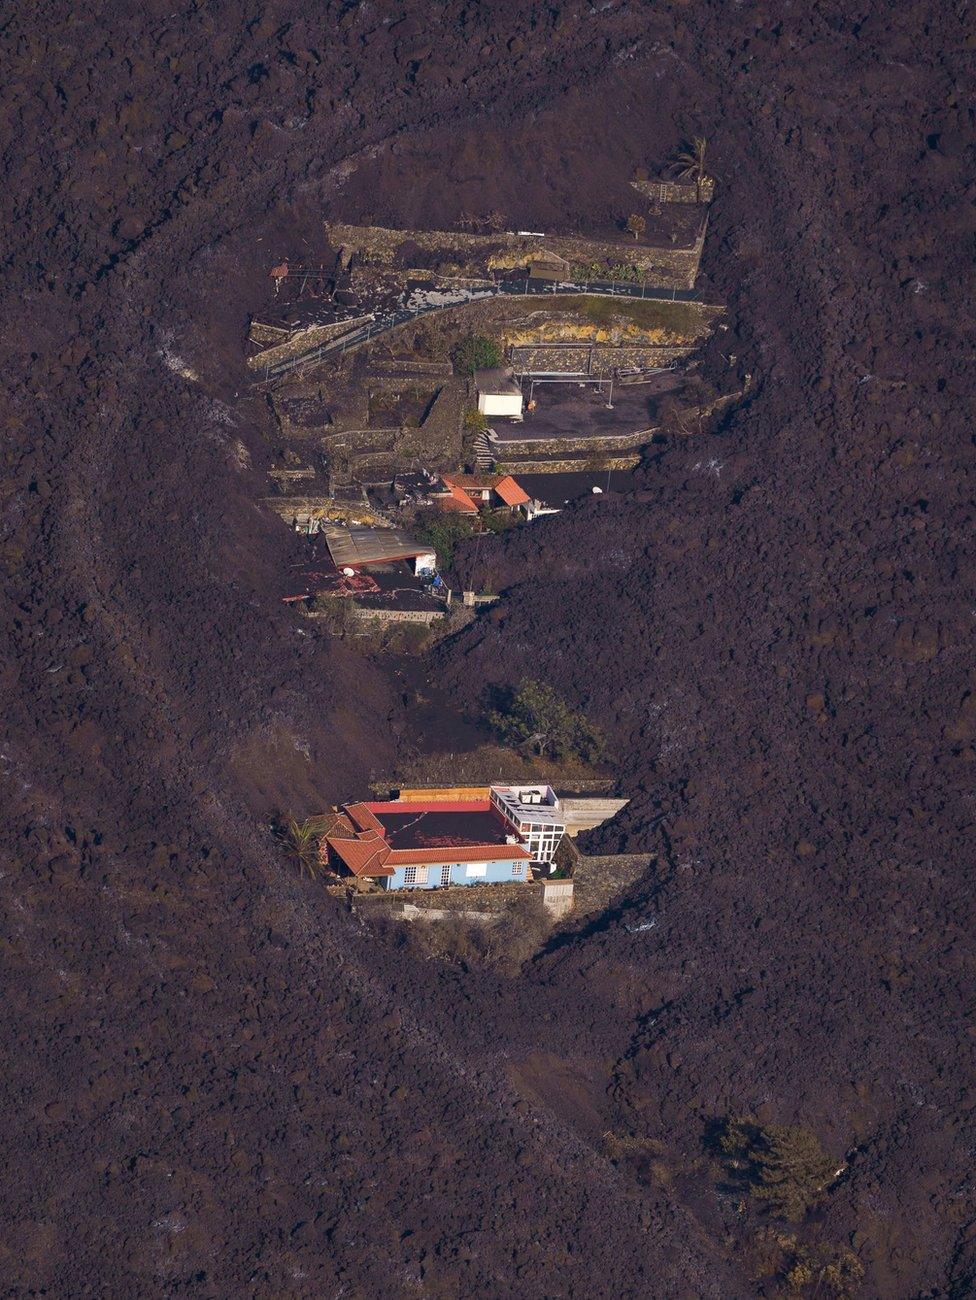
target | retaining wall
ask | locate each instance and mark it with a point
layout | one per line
(676, 191)
(672, 267)
(569, 465)
(426, 616)
(599, 879)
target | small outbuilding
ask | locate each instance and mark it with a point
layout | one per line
(499, 393)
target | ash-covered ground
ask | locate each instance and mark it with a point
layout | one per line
(217, 1081)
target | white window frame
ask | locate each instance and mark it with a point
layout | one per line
(475, 869)
(516, 868)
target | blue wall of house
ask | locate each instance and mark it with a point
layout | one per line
(495, 873)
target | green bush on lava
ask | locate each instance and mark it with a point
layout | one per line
(783, 1165)
(476, 352)
(533, 717)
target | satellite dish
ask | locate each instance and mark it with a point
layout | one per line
(350, 573)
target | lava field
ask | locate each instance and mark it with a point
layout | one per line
(217, 1080)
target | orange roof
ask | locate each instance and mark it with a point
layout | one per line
(458, 500)
(366, 855)
(362, 817)
(510, 492)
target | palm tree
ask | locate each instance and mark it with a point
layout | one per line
(688, 164)
(301, 840)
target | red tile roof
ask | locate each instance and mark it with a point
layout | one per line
(426, 805)
(366, 855)
(458, 500)
(358, 839)
(510, 492)
(361, 814)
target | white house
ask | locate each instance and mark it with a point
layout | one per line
(498, 393)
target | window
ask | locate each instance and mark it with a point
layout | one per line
(445, 875)
(477, 869)
(516, 868)
(409, 875)
(422, 875)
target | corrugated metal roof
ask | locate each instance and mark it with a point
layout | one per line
(355, 546)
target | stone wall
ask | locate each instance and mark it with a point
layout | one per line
(676, 191)
(597, 359)
(568, 465)
(364, 614)
(598, 880)
(668, 266)
(301, 342)
(610, 443)
(455, 900)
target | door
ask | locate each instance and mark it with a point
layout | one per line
(445, 875)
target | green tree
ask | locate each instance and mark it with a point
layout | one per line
(443, 531)
(534, 717)
(475, 352)
(791, 1170)
(784, 1164)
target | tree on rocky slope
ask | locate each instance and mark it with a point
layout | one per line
(533, 717)
(784, 1164)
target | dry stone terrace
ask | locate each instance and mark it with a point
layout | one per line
(362, 381)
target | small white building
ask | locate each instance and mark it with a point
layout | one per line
(534, 815)
(499, 393)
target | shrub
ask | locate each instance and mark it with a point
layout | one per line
(443, 531)
(535, 717)
(832, 1270)
(475, 420)
(475, 352)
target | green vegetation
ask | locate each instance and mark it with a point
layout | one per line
(828, 1269)
(535, 718)
(301, 841)
(443, 531)
(475, 420)
(476, 352)
(497, 521)
(682, 318)
(783, 1165)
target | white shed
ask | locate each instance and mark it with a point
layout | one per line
(498, 393)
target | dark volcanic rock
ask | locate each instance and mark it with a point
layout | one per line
(217, 1081)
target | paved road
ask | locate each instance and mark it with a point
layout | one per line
(421, 301)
